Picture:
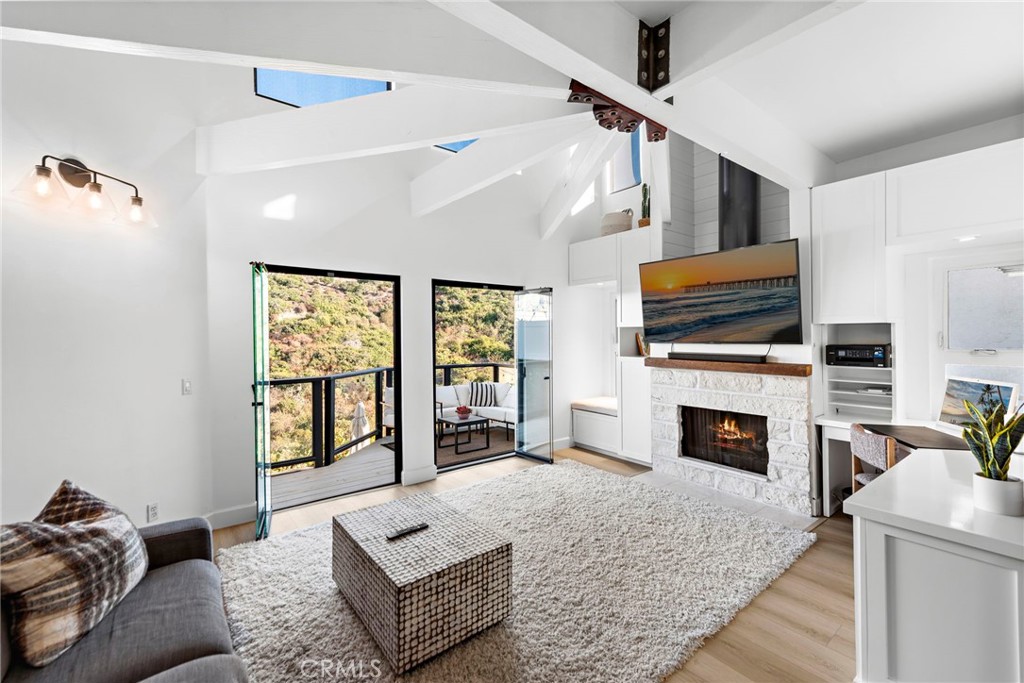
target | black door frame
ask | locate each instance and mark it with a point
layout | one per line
(396, 281)
(434, 284)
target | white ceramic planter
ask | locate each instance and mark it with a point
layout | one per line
(1000, 497)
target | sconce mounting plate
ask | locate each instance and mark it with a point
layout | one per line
(74, 172)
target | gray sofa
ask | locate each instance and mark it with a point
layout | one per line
(170, 628)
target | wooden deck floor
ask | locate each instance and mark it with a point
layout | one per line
(799, 629)
(367, 468)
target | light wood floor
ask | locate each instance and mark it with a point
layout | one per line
(799, 629)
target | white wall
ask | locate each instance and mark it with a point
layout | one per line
(100, 322)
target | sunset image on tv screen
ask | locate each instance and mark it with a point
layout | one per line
(749, 295)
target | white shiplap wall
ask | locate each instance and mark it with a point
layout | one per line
(774, 204)
(677, 236)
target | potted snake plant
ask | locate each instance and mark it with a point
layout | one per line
(992, 439)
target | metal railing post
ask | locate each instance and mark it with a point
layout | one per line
(494, 372)
(318, 422)
(329, 418)
(447, 376)
(378, 407)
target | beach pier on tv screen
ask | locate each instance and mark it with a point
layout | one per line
(749, 295)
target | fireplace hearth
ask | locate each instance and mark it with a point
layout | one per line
(724, 437)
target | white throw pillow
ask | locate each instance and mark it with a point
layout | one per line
(501, 390)
(462, 392)
(389, 396)
(510, 398)
(446, 395)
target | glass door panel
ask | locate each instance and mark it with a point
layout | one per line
(261, 398)
(533, 365)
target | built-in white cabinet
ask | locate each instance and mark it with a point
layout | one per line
(596, 431)
(848, 219)
(634, 383)
(594, 261)
(975, 193)
(615, 258)
(634, 249)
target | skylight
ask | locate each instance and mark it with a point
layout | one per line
(302, 90)
(457, 146)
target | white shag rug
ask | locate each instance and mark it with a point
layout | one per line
(613, 581)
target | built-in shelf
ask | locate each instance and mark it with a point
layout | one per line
(843, 398)
(785, 369)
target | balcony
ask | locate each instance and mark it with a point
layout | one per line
(310, 415)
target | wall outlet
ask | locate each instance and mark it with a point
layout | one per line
(152, 512)
(186, 387)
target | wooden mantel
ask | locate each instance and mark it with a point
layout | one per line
(784, 369)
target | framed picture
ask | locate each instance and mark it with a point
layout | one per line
(987, 394)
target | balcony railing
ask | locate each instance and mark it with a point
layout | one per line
(323, 451)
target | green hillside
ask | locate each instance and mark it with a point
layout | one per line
(326, 325)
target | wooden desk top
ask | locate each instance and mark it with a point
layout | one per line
(914, 436)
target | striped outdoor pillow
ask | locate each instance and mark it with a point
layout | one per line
(66, 570)
(481, 394)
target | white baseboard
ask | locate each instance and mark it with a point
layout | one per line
(240, 514)
(418, 475)
(564, 442)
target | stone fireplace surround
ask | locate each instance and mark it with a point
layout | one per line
(784, 400)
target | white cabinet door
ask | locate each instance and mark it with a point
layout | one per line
(848, 233)
(634, 249)
(596, 431)
(635, 408)
(593, 261)
(975, 193)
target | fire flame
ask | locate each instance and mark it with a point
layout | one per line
(730, 429)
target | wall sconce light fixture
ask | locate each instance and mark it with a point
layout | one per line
(41, 187)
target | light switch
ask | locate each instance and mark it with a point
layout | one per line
(186, 387)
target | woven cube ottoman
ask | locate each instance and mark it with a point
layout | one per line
(425, 592)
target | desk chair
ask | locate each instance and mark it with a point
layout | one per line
(876, 450)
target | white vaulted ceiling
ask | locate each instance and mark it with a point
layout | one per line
(788, 89)
(885, 74)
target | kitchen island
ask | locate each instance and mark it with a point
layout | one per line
(939, 586)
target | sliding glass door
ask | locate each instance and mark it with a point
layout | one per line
(533, 366)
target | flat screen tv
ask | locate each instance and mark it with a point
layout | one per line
(749, 295)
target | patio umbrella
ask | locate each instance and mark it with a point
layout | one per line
(360, 426)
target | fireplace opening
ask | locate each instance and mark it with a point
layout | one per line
(725, 437)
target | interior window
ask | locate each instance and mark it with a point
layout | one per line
(985, 309)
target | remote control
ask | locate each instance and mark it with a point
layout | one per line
(406, 531)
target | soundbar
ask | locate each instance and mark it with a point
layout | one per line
(718, 357)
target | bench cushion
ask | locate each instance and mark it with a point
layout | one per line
(605, 405)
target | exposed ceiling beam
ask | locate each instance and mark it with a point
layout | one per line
(787, 160)
(584, 167)
(489, 160)
(404, 119)
(709, 37)
(405, 42)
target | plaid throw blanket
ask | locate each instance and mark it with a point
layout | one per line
(65, 570)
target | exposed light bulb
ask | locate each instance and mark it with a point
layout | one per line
(135, 213)
(43, 187)
(95, 196)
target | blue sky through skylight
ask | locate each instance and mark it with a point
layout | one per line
(456, 146)
(303, 90)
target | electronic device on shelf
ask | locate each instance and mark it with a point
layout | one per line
(859, 355)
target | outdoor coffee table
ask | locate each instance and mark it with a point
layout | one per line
(424, 592)
(468, 426)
